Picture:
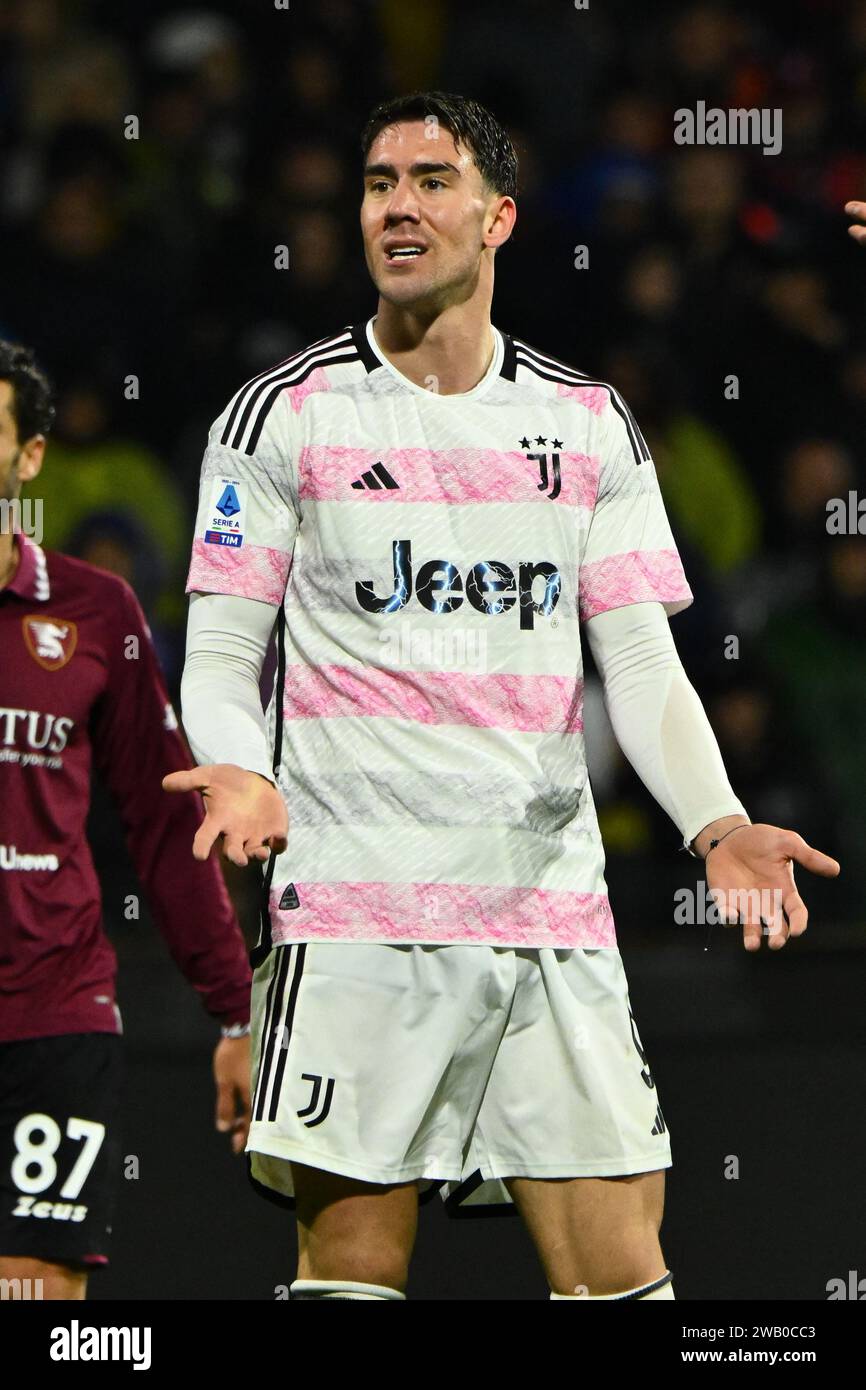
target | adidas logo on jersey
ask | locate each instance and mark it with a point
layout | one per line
(376, 477)
(491, 587)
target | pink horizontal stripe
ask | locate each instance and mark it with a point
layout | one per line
(443, 912)
(636, 576)
(254, 571)
(326, 474)
(595, 398)
(316, 382)
(534, 704)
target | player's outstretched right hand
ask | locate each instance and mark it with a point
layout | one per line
(855, 230)
(243, 807)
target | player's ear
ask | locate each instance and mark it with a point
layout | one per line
(500, 223)
(30, 460)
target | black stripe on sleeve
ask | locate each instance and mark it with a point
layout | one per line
(280, 369)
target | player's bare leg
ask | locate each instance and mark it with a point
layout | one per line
(58, 1281)
(597, 1234)
(356, 1231)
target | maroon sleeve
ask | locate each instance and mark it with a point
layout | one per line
(136, 741)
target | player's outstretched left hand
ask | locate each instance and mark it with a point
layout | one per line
(242, 807)
(750, 876)
(857, 210)
(231, 1070)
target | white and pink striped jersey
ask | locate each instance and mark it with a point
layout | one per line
(430, 557)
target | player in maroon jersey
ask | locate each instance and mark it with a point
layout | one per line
(80, 685)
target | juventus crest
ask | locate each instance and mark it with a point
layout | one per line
(548, 466)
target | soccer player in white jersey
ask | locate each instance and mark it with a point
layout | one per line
(427, 509)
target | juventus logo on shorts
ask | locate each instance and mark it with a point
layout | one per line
(314, 1099)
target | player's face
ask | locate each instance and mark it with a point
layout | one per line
(18, 462)
(9, 447)
(422, 192)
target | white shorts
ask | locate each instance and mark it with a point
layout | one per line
(456, 1066)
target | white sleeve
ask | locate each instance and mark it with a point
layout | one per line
(227, 640)
(628, 555)
(658, 719)
(248, 508)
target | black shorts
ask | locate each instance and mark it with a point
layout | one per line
(59, 1147)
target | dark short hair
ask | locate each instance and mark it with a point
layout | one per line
(32, 404)
(469, 122)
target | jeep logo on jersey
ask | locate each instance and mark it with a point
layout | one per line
(491, 587)
(50, 641)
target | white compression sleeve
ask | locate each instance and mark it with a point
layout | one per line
(659, 721)
(226, 643)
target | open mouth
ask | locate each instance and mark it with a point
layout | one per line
(404, 253)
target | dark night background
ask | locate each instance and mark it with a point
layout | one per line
(155, 257)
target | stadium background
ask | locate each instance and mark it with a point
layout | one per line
(153, 257)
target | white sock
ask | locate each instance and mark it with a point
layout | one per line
(340, 1288)
(659, 1288)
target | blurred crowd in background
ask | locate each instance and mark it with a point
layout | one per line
(722, 297)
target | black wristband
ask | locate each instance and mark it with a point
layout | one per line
(713, 843)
